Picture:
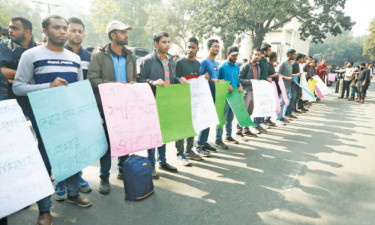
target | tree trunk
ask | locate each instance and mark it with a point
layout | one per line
(258, 36)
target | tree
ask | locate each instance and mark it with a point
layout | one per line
(369, 44)
(133, 13)
(173, 18)
(258, 17)
(340, 49)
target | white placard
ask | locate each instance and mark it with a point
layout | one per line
(264, 99)
(23, 176)
(322, 86)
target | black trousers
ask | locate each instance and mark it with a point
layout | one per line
(346, 88)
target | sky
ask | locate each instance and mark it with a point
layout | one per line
(361, 11)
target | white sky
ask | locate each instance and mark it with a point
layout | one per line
(361, 11)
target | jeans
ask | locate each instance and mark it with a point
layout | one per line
(346, 88)
(258, 120)
(72, 184)
(228, 115)
(161, 156)
(296, 95)
(353, 91)
(288, 109)
(180, 145)
(281, 115)
(203, 137)
(362, 90)
(44, 204)
(105, 160)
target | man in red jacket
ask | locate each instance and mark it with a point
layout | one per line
(322, 70)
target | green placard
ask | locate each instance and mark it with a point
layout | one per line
(221, 92)
(174, 109)
(235, 100)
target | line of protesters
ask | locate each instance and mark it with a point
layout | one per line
(27, 67)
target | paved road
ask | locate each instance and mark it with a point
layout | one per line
(320, 169)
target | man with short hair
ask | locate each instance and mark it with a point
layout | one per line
(229, 71)
(363, 82)
(76, 35)
(38, 70)
(158, 69)
(296, 89)
(112, 63)
(322, 70)
(20, 33)
(250, 71)
(189, 68)
(211, 66)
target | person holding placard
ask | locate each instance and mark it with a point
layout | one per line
(44, 67)
(229, 71)
(158, 69)
(112, 63)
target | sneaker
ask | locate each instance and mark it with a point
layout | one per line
(168, 167)
(119, 175)
(221, 145)
(154, 173)
(264, 126)
(262, 130)
(104, 187)
(209, 147)
(231, 140)
(84, 186)
(280, 123)
(202, 152)
(271, 124)
(249, 134)
(80, 201)
(183, 160)
(60, 192)
(285, 120)
(192, 155)
(254, 130)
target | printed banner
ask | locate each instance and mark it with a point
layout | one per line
(278, 107)
(174, 108)
(131, 117)
(306, 95)
(202, 105)
(322, 86)
(71, 127)
(283, 90)
(235, 100)
(23, 176)
(221, 93)
(264, 99)
(311, 84)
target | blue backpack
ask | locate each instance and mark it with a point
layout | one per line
(137, 175)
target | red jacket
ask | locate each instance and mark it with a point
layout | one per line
(321, 71)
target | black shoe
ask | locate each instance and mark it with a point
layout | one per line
(119, 175)
(297, 111)
(221, 145)
(104, 187)
(231, 140)
(168, 167)
(209, 147)
(304, 110)
(239, 135)
(249, 134)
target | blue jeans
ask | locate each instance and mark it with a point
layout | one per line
(105, 160)
(296, 96)
(228, 115)
(203, 137)
(353, 91)
(44, 204)
(161, 156)
(258, 120)
(281, 115)
(288, 109)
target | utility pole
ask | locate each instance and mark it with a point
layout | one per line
(48, 4)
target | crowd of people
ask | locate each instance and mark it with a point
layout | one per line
(27, 67)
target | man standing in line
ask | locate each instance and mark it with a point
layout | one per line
(38, 69)
(210, 66)
(158, 69)
(363, 82)
(248, 72)
(112, 63)
(229, 71)
(76, 35)
(286, 70)
(188, 68)
(295, 87)
(322, 70)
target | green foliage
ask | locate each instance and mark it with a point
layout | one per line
(340, 49)
(258, 17)
(369, 44)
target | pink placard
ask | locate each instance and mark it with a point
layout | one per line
(131, 117)
(283, 90)
(318, 92)
(278, 108)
